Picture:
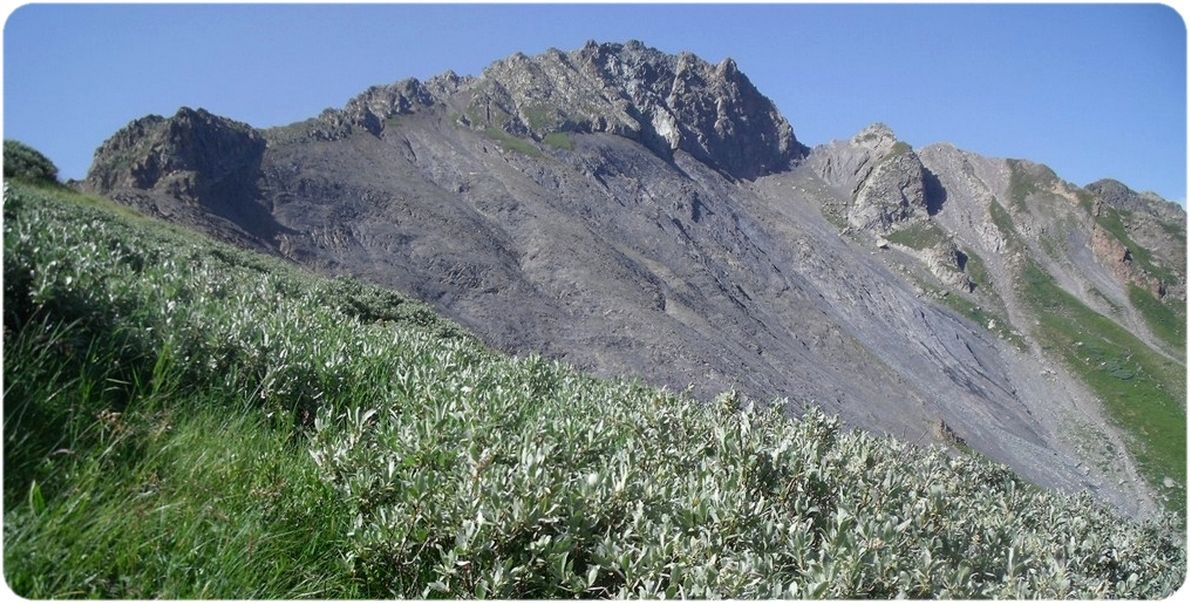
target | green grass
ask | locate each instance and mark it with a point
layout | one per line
(1167, 322)
(559, 140)
(1113, 308)
(1052, 246)
(540, 117)
(836, 215)
(978, 270)
(1004, 223)
(1142, 391)
(143, 461)
(512, 143)
(184, 419)
(921, 235)
(1176, 230)
(25, 162)
(187, 501)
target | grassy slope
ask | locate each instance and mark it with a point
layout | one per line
(1167, 321)
(925, 235)
(183, 419)
(1142, 391)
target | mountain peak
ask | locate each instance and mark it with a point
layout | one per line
(1119, 195)
(876, 136)
(187, 154)
(667, 102)
(882, 177)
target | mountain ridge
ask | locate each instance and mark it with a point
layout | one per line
(687, 237)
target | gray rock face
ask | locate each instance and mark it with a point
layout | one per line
(882, 177)
(947, 263)
(636, 213)
(188, 156)
(209, 163)
(1157, 225)
(1116, 194)
(712, 112)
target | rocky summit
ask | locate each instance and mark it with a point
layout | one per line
(638, 213)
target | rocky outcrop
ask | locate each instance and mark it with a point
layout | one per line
(947, 262)
(1155, 226)
(667, 102)
(187, 168)
(1119, 196)
(881, 175)
(1118, 259)
(193, 156)
(372, 108)
(893, 193)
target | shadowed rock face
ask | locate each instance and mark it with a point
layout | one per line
(638, 213)
(209, 164)
(188, 156)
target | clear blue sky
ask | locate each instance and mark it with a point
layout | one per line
(1092, 90)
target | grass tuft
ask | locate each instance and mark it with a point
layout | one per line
(920, 235)
(512, 143)
(559, 140)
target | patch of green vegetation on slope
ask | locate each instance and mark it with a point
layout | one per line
(976, 313)
(985, 317)
(1142, 391)
(541, 117)
(921, 235)
(1004, 223)
(184, 419)
(899, 148)
(836, 214)
(1085, 199)
(511, 143)
(978, 270)
(559, 140)
(25, 162)
(1166, 321)
(1113, 308)
(1175, 229)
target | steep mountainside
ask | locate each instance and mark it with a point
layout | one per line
(637, 213)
